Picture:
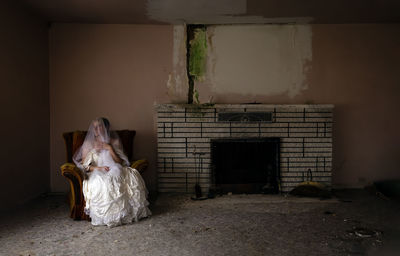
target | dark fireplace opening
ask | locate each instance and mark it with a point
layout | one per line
(245, 165)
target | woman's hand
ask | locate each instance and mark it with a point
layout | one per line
(103, 168)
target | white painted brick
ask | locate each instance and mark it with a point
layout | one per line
(169, 107)
(244, 135)
(274, 134)
(277, 130)
(198, 140)
(171, 150)
(242, 130)
(327, 149)
(186, 160)
(303, 130)
(291, 154)
(200, 115)
(288, 140)
(200, 119)
(288, 114)
(288, 109)
(318, 119)
(215, 135)
(317, 145)
(217, 125)
(171, 154)
(316, 140)
(171, 115)
(171, 145)
(186, 134)
(172, 140)
(187, 129)
(161, 130)
(164, 135)
(164, 124)
(198, 145)
(291, 145)
(203, 110)
(322, 125)
(319, 154)
(320, 114)
(180, 166)
(274, 125)
(321, 130)
(303, 135)
(170, 175)
(289, 119)
(229, 110)
(286, 169)
(283, 150)
(300, 165)
(187, 125)
(216, 129)
(169, 120)
(303, 159)
(298, 125)
(198, 150)
(245, 125)
(292, 179)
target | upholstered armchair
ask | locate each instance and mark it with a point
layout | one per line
(73, 141)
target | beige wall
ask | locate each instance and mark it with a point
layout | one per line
(115, 71)
(24, 97)
(354, 67)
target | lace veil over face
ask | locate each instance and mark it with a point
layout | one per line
(99, 132)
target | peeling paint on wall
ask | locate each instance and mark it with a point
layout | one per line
(177, 81)
(258, 59)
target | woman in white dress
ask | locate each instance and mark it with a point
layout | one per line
(115, 193)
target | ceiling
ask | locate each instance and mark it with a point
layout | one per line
(216, 11)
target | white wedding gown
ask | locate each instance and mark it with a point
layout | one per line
(115, 197)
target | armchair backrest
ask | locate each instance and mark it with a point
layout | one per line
(73, 141)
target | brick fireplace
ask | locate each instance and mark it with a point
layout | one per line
(186, 132)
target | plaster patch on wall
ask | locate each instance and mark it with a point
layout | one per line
(259, 59)
(177, 84)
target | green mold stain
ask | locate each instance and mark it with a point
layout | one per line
(198, 54)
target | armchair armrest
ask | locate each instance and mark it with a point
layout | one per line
(68, 169)
(76, 200)
(140, 165)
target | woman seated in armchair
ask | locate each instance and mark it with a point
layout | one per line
(115, 193)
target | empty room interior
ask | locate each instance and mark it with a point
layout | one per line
(258, 127)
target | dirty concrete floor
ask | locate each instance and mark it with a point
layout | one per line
(352, 223)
